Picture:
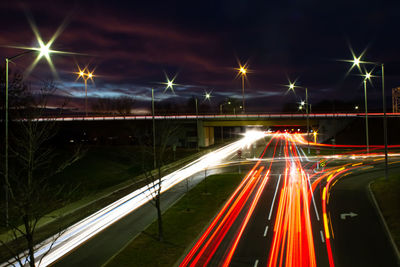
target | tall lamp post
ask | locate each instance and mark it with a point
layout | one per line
(367, 76)
(85, 74)
(169, 85)
(154, 128)
(222, 127)
(292, 87)
(207, 96)
(44, 51)
(242, 71)
(356, 62)
(197, 123)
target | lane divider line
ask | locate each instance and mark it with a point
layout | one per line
(265, 231)
(273, 200)
(322, 236)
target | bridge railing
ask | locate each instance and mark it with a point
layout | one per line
(216, 116)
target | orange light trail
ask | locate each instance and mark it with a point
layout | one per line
(293, 243)
(204, 249)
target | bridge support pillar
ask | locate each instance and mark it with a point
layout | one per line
(205, 135)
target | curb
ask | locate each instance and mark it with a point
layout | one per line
(376, 205)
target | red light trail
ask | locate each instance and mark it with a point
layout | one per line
(292, 242)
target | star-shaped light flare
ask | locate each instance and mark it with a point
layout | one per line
(169, 84)
(43, 49)
(242, 70)
(85, 74)
(207, 96)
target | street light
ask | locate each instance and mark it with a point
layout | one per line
(220, 111)
(85, 74)
(242, 71)
(367, 77)
(356, 62)
(43, 50)
(169, 85)
(207, 96)
(292, 87)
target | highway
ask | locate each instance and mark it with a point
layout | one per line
(56, 247)
(287, 213)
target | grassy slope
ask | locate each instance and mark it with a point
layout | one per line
(181, 227)
(387, 194)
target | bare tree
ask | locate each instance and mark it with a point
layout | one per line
(32, 194)
(120, 105)
(166, 133)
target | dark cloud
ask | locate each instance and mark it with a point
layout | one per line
(131, 44)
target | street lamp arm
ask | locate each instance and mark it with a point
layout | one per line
(21, 54)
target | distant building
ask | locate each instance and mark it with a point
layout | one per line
(396, 99)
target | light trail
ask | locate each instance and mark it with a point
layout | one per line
(293, 243)
(205, 248)
(82, 231)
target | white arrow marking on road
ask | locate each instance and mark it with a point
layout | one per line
(344, 215)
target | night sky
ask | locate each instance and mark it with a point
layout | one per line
(132, 44)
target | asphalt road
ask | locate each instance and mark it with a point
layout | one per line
(252, 227)
(254, 247)
(100, 248)
(358, 239)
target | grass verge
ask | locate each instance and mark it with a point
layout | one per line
(387, 194)
(182, 223)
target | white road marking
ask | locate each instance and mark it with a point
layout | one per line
(265, 231)
(273, 200)
(312, 197)
(344, 215)
(256, 263)
(322, 236)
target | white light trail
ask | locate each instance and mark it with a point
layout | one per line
(83, 230)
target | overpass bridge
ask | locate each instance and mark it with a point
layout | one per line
(326, 123)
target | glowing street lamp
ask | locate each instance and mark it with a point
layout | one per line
(85, 74)
(242, 71)
(307, 105)
(315, 136)
(207, 96)
(169, 85)
(367, 77)
(43, 50)
(356, 62)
